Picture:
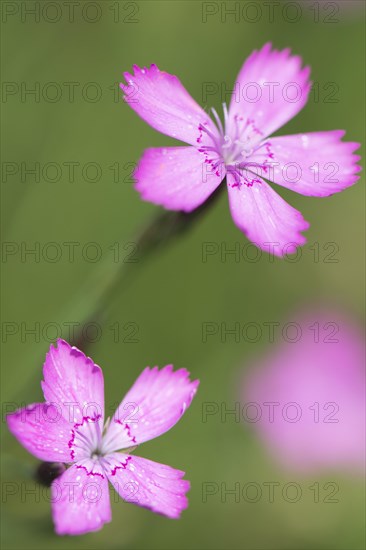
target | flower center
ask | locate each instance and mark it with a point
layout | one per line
(96, 454)
(86, 438)
(238, 149)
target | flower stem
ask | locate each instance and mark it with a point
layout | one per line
(101, 289)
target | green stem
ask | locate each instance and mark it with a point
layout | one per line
(104, 284)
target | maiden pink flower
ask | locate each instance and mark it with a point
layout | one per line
(69, 428)
(306, 399)
(271, 89)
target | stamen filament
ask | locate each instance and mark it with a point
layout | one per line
(218, 121)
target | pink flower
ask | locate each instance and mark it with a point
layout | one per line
(69, 428)
(306, 399)
(271, 89)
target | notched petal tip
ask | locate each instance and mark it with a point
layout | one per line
(139, 72)
(60, 342)
(267, 47)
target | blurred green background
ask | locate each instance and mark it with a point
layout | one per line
(173, 293)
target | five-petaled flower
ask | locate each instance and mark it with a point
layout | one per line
(69, 428)
(271, 88)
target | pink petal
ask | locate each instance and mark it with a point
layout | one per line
(317, 164)
(80, 499)
(265, 218)
(148, 484)
(161, 100)
(271, 89)
(176, 177)
(74, 382)
(156, 402)
(42, 430)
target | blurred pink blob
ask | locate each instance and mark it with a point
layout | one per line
(309, 396)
